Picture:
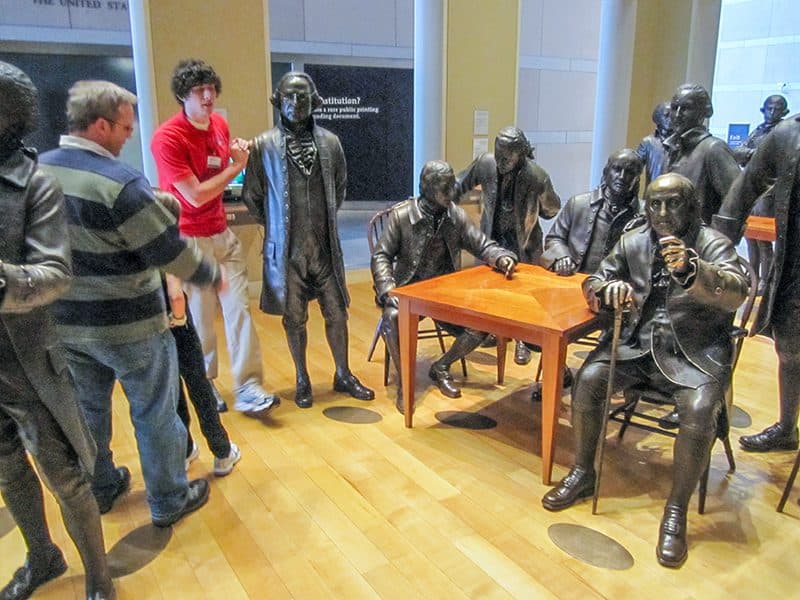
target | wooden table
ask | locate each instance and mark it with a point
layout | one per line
(760, 228)
(536, 306)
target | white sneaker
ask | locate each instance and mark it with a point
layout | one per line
(253, 400)
(192, 455)
(223, 466)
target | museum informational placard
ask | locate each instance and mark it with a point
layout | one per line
(737, 134)
(371, 110)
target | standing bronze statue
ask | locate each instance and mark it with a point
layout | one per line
(589, 224)
(38, 411)
(775, 162)
(651, 149)
(424, 238)
(759, 251)
(295, 182)
(515, 192)
(693, 152)
(682, 283)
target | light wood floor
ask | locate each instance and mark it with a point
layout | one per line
(322, 509)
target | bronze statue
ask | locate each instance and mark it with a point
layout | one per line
(294, 184)
(693, 152)
(759, 251)
(775, 163)
(651, 149)
(423, 238)
(589, 224)
(515, 192)
(38, 410)
(683, 283)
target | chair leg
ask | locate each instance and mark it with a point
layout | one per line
(375, 339)
(386, 360)
(630, 408)
(440, 337)
(789, 483)
(726, 442)
(464, 367)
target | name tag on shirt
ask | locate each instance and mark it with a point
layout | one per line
(214, 162)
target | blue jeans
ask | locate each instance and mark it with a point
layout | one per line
(148, 373)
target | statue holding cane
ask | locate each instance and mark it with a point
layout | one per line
(682, 283)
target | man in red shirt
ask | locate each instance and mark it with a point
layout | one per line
(196, 159)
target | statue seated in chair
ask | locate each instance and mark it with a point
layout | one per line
(682, 284)
(423, 238)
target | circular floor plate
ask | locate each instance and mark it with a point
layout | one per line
(590, 546)
(465, 420)
(352, 414)
(740, 419)
(137, 549)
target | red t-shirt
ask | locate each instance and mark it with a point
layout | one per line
(180, 150)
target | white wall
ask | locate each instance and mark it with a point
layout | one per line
(758, 54)
(345, 28)
(557, 80)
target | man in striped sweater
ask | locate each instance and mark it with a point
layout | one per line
(113, 320)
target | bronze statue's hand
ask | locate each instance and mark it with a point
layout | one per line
(617, 294)
(675, 255)
(506, 265)
(565, 266)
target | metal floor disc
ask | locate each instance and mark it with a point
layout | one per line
(465, 420)
(351, 414)
(740, 419)
(590, 546)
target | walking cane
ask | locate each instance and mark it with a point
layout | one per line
(601, 443)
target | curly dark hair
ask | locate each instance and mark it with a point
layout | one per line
(192, 72)
(19, 109)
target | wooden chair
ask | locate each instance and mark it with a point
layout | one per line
(374, 231)
(628, 415)
(789, 483)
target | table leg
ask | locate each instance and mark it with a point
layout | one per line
(502, 345)
(408, 325)
(554, 356)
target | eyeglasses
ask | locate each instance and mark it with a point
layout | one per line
(128, 128)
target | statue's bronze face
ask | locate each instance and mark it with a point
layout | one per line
(295, 95)
(622, 174)
(687, 110)
(440, 188)
(506, 157)
(669, 210)
(774, 109)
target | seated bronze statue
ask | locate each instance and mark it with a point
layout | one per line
(423, 238)
(682, 284)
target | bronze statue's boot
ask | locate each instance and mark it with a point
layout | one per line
(464, 343)
(444, 381)
(344, 380)
(672, 549)
(297, 339)
(690, 457)
(670, 421)
(350, 384)
(522, 354)
(39, 568)
(783, 434)
(772, 438)
(579, 483)
(82, 520)
(22, 494)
